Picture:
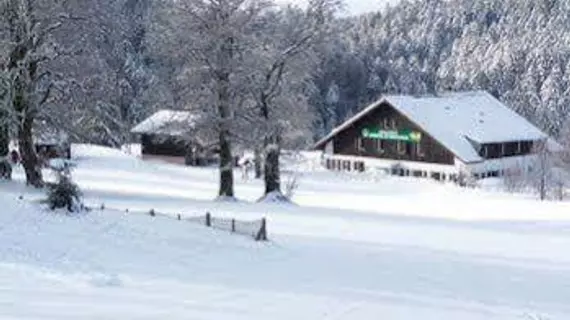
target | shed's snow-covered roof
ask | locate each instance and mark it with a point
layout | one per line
(455, 118)
(167, 122)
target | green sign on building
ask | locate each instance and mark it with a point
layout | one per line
(402, 135)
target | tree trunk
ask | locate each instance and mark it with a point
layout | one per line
(5, 164)
(28, 155)
(4, 138)
(272, 176)
(30, 160)
(226, 166)
(258, 163)
(189, 156)
(226, 159)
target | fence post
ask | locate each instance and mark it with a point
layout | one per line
(208, 219)
(233, 225)
(262, 233)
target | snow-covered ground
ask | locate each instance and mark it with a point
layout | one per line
(354, 247)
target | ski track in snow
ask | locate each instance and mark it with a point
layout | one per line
(393, 249)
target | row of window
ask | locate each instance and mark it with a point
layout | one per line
(359, 166)
(508, 149)
(345, 165)
(440, 176)
(402, 147)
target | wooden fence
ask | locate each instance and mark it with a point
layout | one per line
(254, 228)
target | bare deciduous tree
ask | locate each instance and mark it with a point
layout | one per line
(28, 45)
(208, 38)
(549, 171)
(281, 66)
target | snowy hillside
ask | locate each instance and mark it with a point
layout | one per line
(353, 248)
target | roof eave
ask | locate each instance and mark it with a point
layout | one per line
(472, 161)
(346, 124)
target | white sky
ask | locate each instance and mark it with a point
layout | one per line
(359, 6)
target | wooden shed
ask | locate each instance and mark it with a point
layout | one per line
(177, 137)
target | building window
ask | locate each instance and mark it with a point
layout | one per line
(358, 166)
(408, 148)
(519, 147)
(380, 145)
(393, 124)
(401, 147)
(358, 144)
(419, 150)
(484, 151)
(385, 120)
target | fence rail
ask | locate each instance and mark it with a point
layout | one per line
(254, 228)
(257, 229)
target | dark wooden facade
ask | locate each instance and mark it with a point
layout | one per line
(176, 150)
(506, 149)
(350, 142)
(162, 145)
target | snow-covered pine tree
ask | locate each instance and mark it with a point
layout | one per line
(64, 193)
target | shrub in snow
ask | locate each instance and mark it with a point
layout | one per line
(64, 193)
(291, 186)
(277, 196)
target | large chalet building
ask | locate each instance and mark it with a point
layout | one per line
(445, 137)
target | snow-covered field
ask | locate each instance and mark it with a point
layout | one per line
(353, 248)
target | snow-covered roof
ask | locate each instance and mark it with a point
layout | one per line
(455, 118)
(167, 122)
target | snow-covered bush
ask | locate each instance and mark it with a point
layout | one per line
(64, 193)
(291, 185)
